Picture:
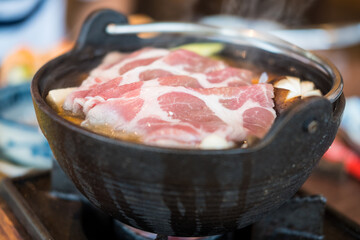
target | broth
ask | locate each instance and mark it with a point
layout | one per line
(101, 129)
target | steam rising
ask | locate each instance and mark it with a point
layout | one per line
(289, 12)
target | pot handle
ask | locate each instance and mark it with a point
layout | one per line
(311, 120)
(93, 32)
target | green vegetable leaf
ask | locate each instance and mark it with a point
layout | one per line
(203, 49)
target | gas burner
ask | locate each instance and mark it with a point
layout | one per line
(49, 207)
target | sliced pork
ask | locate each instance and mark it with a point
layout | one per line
(174, 99)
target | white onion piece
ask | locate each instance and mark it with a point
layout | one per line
(215, 142)
(56, 97)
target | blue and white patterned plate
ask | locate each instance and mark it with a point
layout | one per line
(21, 140)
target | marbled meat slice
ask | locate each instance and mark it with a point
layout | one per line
(192, 62)
(148, 64)
(151, 63)
(115, 65)
(81, 101)
(176, 116)
(174, 98)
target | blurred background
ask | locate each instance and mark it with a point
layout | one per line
(38, 30)
(34, 31)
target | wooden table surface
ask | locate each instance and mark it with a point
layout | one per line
(10, 228)
(341, 191)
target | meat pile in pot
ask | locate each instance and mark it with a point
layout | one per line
(173, 98)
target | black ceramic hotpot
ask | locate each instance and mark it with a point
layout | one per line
(179, 192)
